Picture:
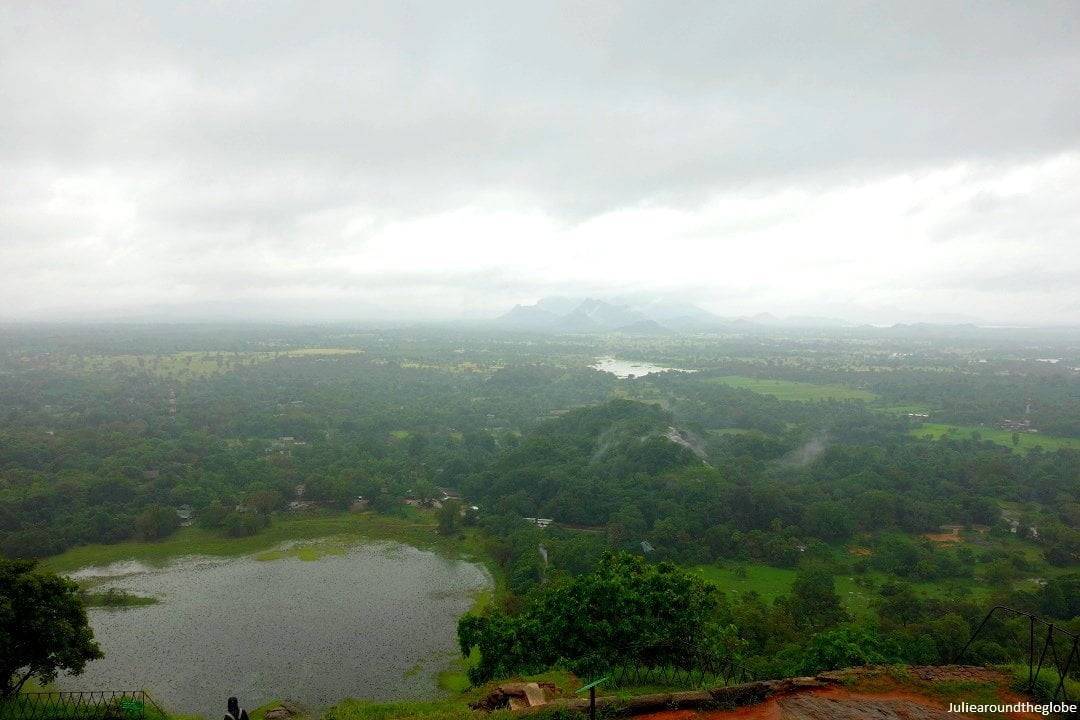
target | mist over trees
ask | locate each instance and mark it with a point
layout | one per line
(799, 490)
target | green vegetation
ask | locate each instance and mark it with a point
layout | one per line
(186, 366)
(43, 627)
(785, 471)
(455, 707)
(905, 408)
(1019, 441)
(120, 708)
(738, 431)
(1046, 683)
(795, 391)
(114, 598)
(768, 582)
(308, 551)
(627, 611)
(414, 710)
(331, 531)
(856, 592)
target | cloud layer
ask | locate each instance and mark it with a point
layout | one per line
(447, 160)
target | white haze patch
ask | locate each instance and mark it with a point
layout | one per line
(688, 440)
(124, 568)
(807, 453)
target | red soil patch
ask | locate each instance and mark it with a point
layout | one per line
(839, 702)
(943, 537)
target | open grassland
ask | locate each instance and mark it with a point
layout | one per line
(738, 431)
(904, 408)
(1021, 443)
(795, 391)
(771, 583)
(412, 526)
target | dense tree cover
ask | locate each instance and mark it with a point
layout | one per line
(629, 611)
(104, 436)
(600, 467)
(626, 611)
(89, 459)
(614, 466)
(43, 627)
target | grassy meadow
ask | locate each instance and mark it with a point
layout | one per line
(795, 391)
(771, 583)
(1023, 441)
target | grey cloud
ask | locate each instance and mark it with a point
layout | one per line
(581, 106)
(229, 125)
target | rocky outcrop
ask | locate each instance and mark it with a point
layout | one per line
(816, 707)
(284, 711)
(852, 694)
(714, 699)
(516, 696)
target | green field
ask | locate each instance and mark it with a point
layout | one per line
(797, 391)
(905, 408)
(1025, 441)
(771, 582)
(738, 431)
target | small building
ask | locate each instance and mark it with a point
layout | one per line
(1017, 425)
(539, 522)
(431, 504)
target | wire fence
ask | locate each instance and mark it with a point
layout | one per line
(1048, 646)
(690, 675)
(90, 705)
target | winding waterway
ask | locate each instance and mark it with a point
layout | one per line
(375, 622)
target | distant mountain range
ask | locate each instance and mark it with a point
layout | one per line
(652, 317)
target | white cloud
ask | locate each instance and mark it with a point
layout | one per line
(412, 161)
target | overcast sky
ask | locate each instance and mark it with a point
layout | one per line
(875, 161)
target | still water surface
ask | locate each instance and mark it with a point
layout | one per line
(626, 368)
(376, 622)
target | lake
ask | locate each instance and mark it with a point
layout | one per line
(377, 621)
(626, 368)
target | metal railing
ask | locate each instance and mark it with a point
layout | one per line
(89, 705)
(1049, 651)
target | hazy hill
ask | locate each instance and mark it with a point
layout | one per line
(591, 315)
(642, 317)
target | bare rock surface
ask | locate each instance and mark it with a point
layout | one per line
(819, 707)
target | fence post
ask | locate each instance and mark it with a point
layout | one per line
(1031, 652)
(1065, 672)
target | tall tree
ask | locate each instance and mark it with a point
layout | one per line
(43, 627)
